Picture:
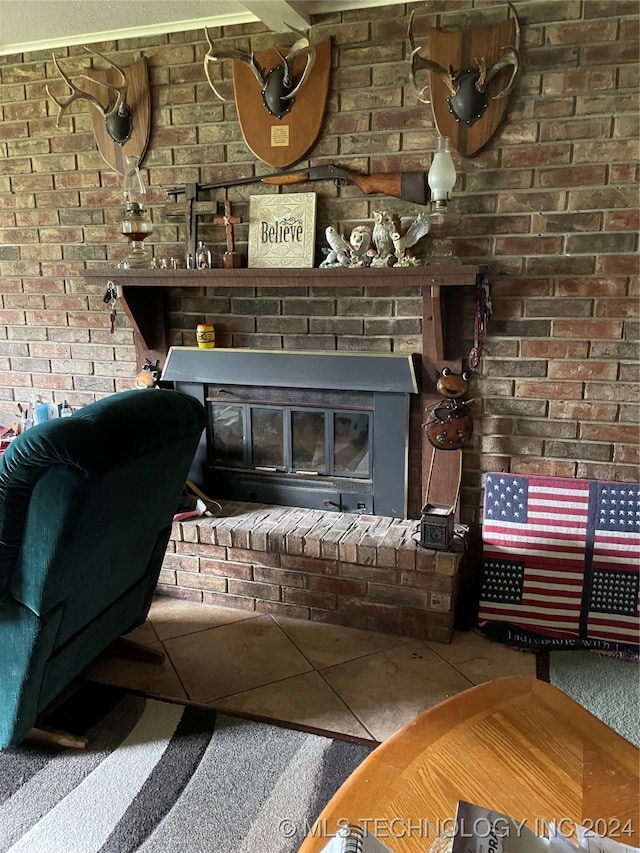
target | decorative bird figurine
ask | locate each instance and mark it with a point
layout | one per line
(360, 240)
(416, 231)
(381, 237)
(339, 250)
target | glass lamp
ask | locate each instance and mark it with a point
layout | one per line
(136, 223)
(442, 175)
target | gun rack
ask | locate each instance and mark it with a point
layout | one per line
(142, 296)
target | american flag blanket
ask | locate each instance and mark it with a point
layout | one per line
(561, 563)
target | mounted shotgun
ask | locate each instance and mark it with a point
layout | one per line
(408, 186)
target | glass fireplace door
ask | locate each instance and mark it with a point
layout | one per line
(268, 438)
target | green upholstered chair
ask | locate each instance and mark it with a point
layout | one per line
(86, 505)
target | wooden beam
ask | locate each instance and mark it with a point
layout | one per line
(276, 14)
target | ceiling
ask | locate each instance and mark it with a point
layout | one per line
(28, 25)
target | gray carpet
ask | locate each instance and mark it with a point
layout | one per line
(608, 687)
(164, 778)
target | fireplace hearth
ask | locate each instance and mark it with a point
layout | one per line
(319, 430)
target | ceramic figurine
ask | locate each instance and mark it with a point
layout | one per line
(360, 241)
(149, 375)
(383, 224)
(339, 254)
(416, 231)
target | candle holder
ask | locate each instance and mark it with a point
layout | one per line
(136, 224)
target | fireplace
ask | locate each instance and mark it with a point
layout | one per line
(320, 430)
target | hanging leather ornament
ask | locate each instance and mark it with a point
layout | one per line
(449, 425)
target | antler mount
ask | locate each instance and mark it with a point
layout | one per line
(121, 106)
(466, 107)
(279, 86)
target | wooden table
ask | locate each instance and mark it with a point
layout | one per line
(516, 745)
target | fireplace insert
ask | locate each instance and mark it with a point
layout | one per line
(310, 429)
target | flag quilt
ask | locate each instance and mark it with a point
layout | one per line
(561, 563)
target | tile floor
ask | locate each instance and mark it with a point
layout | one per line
(339, 679)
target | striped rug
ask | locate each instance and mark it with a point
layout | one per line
(159, 777)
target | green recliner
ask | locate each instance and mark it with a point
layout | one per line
(86, 505)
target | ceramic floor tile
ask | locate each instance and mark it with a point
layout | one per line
(156, 679)
(480, 659)
(173, 617)
(327, 645)
(235, 657)
(390, 688)
(306, 700)
(143, 634)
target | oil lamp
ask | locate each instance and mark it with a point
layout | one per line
(442, 175)
(136, 223)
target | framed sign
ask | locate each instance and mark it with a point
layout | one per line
(282, 230)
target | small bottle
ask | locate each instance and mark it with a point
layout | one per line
(41, 413)
(31, 411)
(203, 257)
(65, 410)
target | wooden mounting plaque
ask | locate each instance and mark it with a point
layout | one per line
(460, 50)
(282, 142)
(138, 99)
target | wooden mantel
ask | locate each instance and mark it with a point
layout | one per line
(142, 296)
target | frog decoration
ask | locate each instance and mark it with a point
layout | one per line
(449, 424)
(149, 375)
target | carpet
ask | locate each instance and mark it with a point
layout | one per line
(159, 777)
(608, 687)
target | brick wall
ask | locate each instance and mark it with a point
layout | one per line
(551, 207)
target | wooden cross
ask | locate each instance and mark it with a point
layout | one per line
(190, 211)
(230, 259)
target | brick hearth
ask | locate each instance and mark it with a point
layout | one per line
(361, 571)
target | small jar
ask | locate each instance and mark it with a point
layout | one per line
(205, 336)
(203, 257)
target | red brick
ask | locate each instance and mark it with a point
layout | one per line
(628, 454)
(279, 608)
(532, 348)
(308, 564)
(253, 589)
(179, 592)
(628, 307)
(592, 286)
(543, 467)
(618, 264)
(340, 586)
(589, 329)
(584, 411)
(616, 220)
(219, 599)
(263, 558)
(226, 568)
(618, 433)
(604, 370)
(267, 574)
(548, 390)
(193, 580)
(307, 598)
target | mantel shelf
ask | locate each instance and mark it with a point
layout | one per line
(445, 274)
(142, 295)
